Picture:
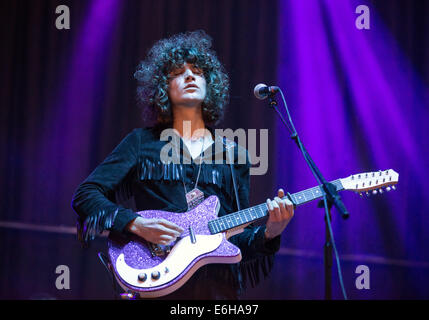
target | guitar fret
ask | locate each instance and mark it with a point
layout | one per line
(222, 226)
(259, 212)
(243, 217)
(237, 219)
(253, 213)
(214, 226)
(264, 209)
(294, 200)
(313, 193)
(318, 191)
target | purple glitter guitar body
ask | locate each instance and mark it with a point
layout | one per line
(152, 270)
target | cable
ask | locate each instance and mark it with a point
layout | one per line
(340, 276)
(304, 152)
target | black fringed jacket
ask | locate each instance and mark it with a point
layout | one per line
(134, 171)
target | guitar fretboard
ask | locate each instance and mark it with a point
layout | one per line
(260, 211)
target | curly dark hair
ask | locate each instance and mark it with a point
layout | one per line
(167, 54)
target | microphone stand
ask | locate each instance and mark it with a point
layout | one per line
(330, 196)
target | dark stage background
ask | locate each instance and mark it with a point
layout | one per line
(359, 99)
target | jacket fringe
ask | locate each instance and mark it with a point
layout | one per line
(93, 225)
(216, 174)
(252, 270)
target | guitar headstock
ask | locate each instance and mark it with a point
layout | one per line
(371, 181)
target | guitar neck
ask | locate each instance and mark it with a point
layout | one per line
(260, 211)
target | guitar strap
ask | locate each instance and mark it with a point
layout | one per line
(229, 145)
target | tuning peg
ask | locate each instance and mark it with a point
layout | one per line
(367, 193)
(393, 187)
(388, 189)
(380, 190)
(374, 192)
(361, 195)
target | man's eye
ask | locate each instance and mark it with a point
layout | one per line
(176, 72)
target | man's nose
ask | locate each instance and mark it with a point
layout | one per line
(189, 75)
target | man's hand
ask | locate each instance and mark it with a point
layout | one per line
(280, 213)
(157, 231)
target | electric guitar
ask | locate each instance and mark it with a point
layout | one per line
(151, 270)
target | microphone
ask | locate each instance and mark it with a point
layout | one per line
(262, 91)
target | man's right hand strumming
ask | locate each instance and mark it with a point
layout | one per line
(157, 231)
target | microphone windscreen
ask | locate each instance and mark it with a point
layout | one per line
(257, 92)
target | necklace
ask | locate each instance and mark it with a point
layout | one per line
(195, 196)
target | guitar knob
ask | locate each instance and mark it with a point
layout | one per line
(142, 277)
(156, 275)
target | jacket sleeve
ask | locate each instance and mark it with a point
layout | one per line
(94, 198)
(251, 241)
(257, 252)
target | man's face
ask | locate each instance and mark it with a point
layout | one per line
(187, 86)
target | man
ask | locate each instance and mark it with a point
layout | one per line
(180, 82)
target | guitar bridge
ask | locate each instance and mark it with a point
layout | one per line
(157, 250)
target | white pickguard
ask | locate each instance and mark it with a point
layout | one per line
(182, 254)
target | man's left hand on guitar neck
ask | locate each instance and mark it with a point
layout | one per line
(280, 213)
